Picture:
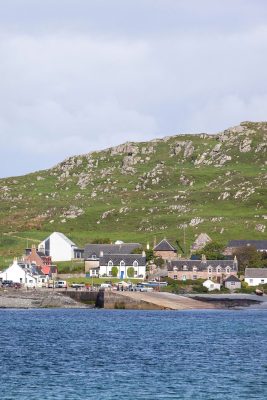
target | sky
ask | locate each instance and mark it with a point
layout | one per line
(84, 75)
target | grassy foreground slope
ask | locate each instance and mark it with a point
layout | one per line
(136, 191)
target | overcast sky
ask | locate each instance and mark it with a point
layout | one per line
(81, 75)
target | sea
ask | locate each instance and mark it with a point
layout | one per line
(126, 354)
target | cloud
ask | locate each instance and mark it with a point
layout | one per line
(71, 88)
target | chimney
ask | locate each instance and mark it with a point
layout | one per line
(143, 253)
(101, 253)
(203, 258)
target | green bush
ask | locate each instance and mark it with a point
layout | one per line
(114, 271)
(130, 272)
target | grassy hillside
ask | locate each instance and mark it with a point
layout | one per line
(136, 191)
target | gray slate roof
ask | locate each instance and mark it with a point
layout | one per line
(256, 273)
(127, 258)
(95, 249)
(258, 244)
(164, 245)
(232, 278)
(202, 265)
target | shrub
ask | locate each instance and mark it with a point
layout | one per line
(130, 272)
(114, 272)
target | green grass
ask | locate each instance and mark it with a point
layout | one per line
(33, 208)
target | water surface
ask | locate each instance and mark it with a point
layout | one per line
(119, 354)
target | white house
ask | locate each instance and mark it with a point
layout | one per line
(122, 262)
(256, 276)
(58, 246)
(211, 285)
(17, 274)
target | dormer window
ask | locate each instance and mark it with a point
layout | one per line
(122, 263)
(135, 264)
(94, 256)
(110, 263)
(219, 270)
(185, 268)
(210, 270)
(194, 269)
(175, 268)
(228, 270)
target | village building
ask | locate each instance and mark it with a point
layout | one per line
(93, 252)
(216, 270)
(122, 262)
(33, 256)
(256, 276)
(24, 274)
(58, 247)
(232, 282)
(210, 285)
(233, 245)
(165, 250)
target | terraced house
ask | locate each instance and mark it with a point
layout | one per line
(216, 270)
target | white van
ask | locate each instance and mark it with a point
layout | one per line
(61, 284)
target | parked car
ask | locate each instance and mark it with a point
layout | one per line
(7, 283)
(61, 284)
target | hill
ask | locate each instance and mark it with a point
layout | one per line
(136, 191)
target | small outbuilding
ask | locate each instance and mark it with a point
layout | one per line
(232, 283)
(211, 285)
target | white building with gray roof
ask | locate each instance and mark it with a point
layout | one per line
(256, 276)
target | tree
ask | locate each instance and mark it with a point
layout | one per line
(149, 253)
(248, 256)
(159, 262)
(130, 272)
(114, 272)
(212, 251)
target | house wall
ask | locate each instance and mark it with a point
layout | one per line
(179, 275)
(232, 285)
(16, 274)
(255, 281)
(122, 271)
(88, 264)
(60, 250)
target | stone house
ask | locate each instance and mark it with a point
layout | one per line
(216, 270)
(232, 282)
(165, 250)
(256, 276)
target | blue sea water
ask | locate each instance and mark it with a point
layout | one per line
(119, 354)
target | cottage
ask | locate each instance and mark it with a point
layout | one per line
(25, 274)
(233, 245)
(256, 276)
(232, 282)
(123, 263)
(202, 269)
(165, 250)
(58, 247)
(43, 262)
(93, 252)
(210, 285)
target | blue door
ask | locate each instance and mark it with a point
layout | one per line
(122, 275)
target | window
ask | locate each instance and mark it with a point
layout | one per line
(194, 276)
(228, 270)
(194, 269)
(135, 272)
(251, 281)
(110, 273)
(175, 277)
(210, 270)
(184, 267)
(122, 263)
(110, 263)
(135, 264)
(262, 280)
(175, 268)
(184, 278)
(93, 256)
(219, 270)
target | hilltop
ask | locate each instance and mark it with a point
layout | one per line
(136, 191)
